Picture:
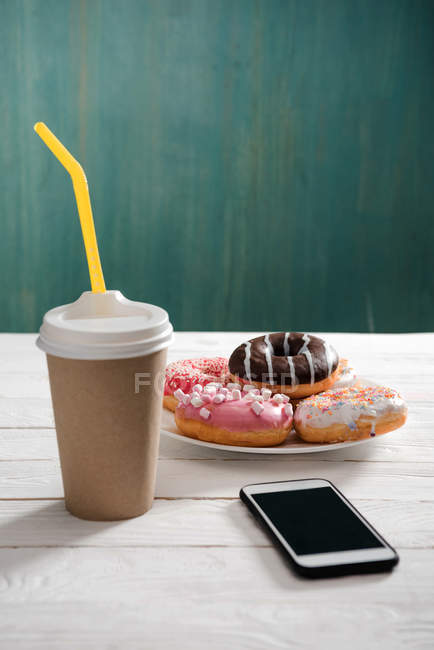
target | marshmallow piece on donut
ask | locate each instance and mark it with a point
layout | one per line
(206, 398)
(266, 393)
(236, 394)
(257, 407)
(251, 397)
(233, 386)
(210, 389)
(196, 402)
(204, 413)
(197, 388)
(278, 398)
(248, 387)
(288, 409)
(179, 394)
(219, 398)
(186, 400)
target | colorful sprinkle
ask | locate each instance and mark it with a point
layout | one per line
(360, 397)
(189, 374)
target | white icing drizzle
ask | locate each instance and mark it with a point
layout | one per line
(286, 345)
(268, 352)
(269, 344)
(294, 380)
(247, 360)
(304, 350)
(328, 357)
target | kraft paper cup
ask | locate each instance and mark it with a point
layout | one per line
(106, 359)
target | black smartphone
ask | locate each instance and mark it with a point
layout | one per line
(320, 532)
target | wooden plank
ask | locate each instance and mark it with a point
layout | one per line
(401, 445)
(24, 385)
(224, 478)
(191, 522)
(26, 413)
(171, 598)
(28, 444)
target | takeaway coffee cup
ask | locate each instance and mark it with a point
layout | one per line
(106, 357)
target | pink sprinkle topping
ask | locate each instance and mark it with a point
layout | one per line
(189, 373)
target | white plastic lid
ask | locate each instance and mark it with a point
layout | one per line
(104, 326)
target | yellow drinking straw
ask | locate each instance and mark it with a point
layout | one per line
(81, 190)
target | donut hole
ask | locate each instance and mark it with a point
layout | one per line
(279, 349)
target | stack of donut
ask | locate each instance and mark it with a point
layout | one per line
(250, 399)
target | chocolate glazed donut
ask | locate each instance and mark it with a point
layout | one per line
(286, 362)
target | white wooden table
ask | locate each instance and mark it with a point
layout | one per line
(197, 572)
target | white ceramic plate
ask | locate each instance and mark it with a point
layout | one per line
(292, 445)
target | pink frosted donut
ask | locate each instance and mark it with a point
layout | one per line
(231, 417)
(187, 373)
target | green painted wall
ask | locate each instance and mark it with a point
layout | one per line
(252, 165)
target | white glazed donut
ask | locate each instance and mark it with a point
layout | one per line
(349, 414)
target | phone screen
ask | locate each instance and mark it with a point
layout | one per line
(316, 520)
